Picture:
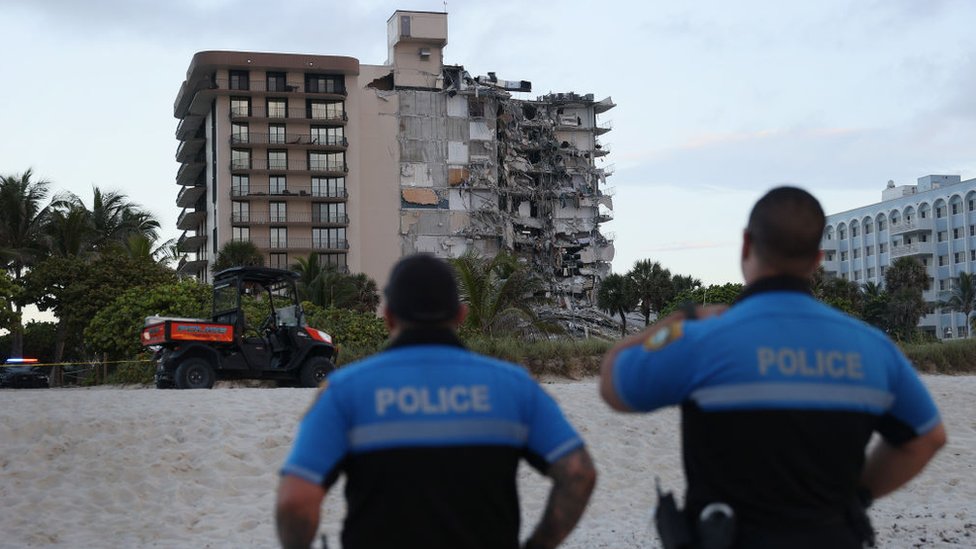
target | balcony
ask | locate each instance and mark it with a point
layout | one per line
(603, 127)
(301, 244)
(292, 191)
(191, 243)
(334, 118)
(190, 195)
(913, 226)
(188, 149)
(915, 248)
(337, 169)
(191, 266)
(601, 150)
(190, 219)
(188, 126)
(828, 245)
(188, 173)
(276, 86)
(336, 142)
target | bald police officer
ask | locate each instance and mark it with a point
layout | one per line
(429, 436)
(780, 395)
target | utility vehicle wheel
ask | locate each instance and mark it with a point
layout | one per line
(194, 373)
(315, 370)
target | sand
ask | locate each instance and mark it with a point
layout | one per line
(111, 467)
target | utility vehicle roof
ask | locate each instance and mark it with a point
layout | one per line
(262, 275)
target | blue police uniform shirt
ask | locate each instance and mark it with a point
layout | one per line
(437, 431)
(779, 397)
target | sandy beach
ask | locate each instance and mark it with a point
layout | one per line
(133, 467)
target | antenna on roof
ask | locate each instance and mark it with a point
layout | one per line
(445, 6)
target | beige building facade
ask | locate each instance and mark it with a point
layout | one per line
(361, 164)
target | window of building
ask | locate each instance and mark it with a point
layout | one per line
(943, 260)
(882, 225)
(942, 285)
(857, 253)
(329, 238)
(334, 261)
(277, 184)
(870, 272)
(842, 234)
(329, 187)
(279, 260)
(943, 236)
(326, 162)
(828, 256)
(276, 81)
(240, 159)
(923, 213)
(956, 233)
(923, 237)
(972, 255)
(238, 133)
(279, 237)
(955, 208)
(239, 80)
(277, 160)
(277, 211)
(843, 276)
(854, 230)
(958, 257)
(240, 211)
(277, 108)
(883, 269)
(857, 275)
(276, 134)
(843, 256)
(940, 212)
(324, 110)
(326, 212)
(868, 228)
(240, 234)
(972, 230)
(972, 204)
(325, 83)
(240, 185)
(925, 262)
(869, 251)
(240, 106)
(325, 135)
(882, 247)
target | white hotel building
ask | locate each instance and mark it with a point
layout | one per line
(933, 221)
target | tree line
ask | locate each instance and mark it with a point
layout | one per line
(896, 306)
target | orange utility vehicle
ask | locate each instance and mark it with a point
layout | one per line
(194, 353)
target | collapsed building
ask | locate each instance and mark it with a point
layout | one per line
(483, 171)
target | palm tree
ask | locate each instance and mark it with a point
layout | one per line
(238, 253)
(498, 291)
(142, 246)
(617, 295)
(111, 220)
(653, 285)
(905, 280)
(22, 218)
(962, 297)
(311, 285)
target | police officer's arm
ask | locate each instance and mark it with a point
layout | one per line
(573, 478)
(607, 389)
(890, 467)
(297, 511)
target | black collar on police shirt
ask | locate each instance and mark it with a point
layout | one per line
(776, 284)
(426, 336)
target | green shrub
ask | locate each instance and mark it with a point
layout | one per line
(357, 334)
(953, 357)
(127, 373)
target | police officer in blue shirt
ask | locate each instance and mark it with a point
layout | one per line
(780, 395)
(429, 436)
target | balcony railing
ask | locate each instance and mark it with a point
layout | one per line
(289, 217)
(290, 165)
(300, 243)
(915, 248)
(915, 225)
(301, 113)
(274, 86)
(292, 190)
(289, 139)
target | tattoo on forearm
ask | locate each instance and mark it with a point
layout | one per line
(573, 480)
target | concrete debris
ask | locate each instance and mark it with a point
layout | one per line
(511, 175)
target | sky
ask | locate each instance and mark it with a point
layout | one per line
(717, 101)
